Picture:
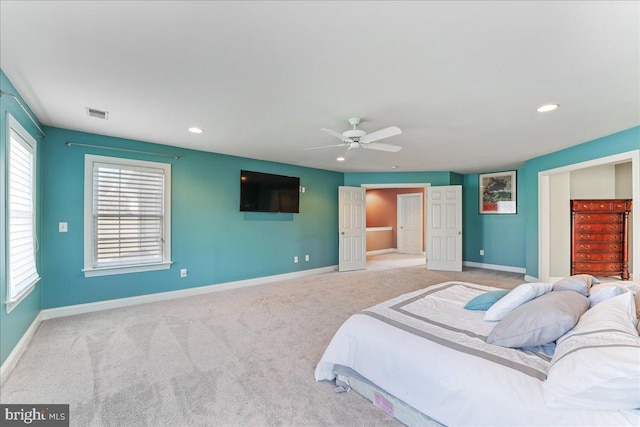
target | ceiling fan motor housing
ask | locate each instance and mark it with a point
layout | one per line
(354, 133)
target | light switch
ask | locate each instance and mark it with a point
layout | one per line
(62, 227)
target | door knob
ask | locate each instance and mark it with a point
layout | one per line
(459, 232)
(342, 232)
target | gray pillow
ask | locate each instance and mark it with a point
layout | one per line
(579, 283)
(539, 321)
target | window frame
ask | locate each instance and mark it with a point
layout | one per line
(89, 270)
(13, 125)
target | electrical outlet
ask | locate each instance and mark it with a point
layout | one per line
(183, 272)
(306, 257)
(482, 252)
(295, 259)
(62, 227)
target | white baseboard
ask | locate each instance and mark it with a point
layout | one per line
(494, 267)
(382, 251)
(530, 279)
(20, 347)
(71, 310)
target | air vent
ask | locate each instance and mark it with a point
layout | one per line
(98, 114)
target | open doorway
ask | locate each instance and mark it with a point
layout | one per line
(608, 177)
(395, 237)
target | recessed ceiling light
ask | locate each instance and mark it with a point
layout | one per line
(547, 107)
(395, 167)
(195, 130)
(340, 159)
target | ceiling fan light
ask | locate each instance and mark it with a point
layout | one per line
(547, 107)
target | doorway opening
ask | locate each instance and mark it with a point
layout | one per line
(395, 237)
(616, 176)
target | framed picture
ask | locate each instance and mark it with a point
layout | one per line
(498, 193)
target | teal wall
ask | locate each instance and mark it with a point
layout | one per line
(435, 178)
(612, 144)
(501, 236)
(15, 324)
(211, 238)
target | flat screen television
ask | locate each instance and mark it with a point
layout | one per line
(265, 192)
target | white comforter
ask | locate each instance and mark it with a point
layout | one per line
(427, 350)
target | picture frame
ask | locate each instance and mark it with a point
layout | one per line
(498, 193)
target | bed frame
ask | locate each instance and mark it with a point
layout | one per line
(347, 378)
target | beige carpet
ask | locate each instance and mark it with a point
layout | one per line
(243, 357)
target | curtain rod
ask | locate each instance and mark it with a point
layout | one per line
(42, 134)
(69, 144)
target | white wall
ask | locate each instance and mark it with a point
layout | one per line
(624, 190)
(594, 183)
(560, 225)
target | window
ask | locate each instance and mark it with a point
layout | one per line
(21, 219)
(127, 223)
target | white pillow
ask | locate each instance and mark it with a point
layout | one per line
(514, 299)
(599, 293)
(596, 364)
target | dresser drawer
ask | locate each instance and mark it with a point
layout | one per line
(597, 237)
(595, 256)
(597, 247)
(598, 228)
(597, 267)
(597, 217)
(600, 205)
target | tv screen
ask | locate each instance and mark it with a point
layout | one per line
(265, 192)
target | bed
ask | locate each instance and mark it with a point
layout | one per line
(424, 359)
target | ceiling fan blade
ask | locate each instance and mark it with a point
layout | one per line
(336, 134)
(380, 134)
(325, 146)
(382, 147)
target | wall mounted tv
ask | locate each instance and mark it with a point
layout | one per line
(265, 192)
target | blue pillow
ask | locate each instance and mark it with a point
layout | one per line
(486, 300)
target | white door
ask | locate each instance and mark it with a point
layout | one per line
(410, 223)
(353, 228)
(444, 228)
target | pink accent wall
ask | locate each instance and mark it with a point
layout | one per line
(382, 209)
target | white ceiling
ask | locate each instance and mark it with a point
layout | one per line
(461, 79)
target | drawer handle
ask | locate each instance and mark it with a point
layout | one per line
(602, 206)
(588, 227)
(584, 246)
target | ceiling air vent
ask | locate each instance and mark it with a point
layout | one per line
(98, 114)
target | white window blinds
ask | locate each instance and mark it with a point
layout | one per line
(128, 215)
(21, 219)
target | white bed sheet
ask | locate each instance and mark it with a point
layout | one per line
(426, 350)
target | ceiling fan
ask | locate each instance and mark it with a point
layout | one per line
(358, 138)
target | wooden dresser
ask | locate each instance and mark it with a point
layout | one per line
(599, 237)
